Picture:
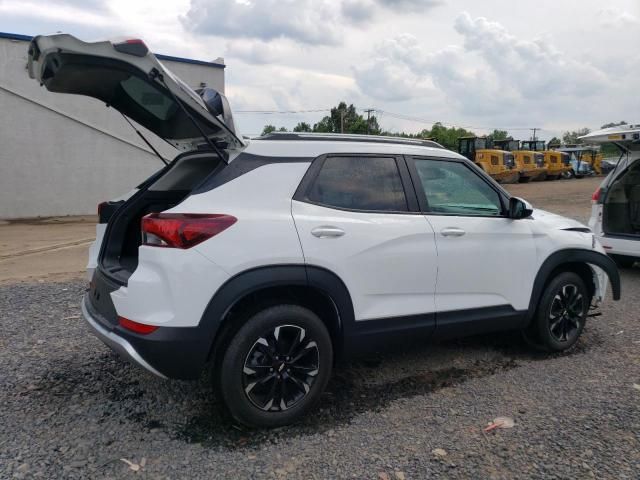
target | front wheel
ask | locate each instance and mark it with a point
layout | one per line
(275, 367)
(562, 313)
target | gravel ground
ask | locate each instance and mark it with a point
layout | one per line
(71, 408)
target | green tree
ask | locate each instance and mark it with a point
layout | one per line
(268, 129)
(554, 142)
(346, 119)
(614, 124)
(272, 128)
(447, 136)
(571, 137)
(498, 135)
(302, 127)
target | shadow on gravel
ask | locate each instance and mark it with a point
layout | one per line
(355, 388)
(347, 395)
(513, 346)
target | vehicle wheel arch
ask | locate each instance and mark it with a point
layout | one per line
(578, 261)
(315, 288)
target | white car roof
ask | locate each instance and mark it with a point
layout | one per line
(619, 134)
(312, 147)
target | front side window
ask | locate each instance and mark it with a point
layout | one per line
(452, 188)
(359, 183)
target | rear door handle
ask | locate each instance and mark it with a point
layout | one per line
(327, 232)
(452, 232)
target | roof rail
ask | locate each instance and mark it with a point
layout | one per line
(345, 137)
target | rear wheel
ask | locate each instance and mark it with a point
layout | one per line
(562, 313)
(624, 261)
(275, 367)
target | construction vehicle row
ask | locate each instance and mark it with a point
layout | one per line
(512, 161)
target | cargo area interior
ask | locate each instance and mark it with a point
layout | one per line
(621, 214)
(119, 255)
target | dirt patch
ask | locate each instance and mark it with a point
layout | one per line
(49, 249)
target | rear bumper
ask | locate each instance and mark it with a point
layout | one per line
(169, 352)
(116, 342)
(619, 245)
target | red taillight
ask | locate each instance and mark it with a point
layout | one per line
(596, 196)
(182, 230)
(136, 327)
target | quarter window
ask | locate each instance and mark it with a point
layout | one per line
(452, 188)
(359, 183)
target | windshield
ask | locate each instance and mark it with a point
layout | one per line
(480, 143)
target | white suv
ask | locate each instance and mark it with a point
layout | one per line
(268, 259)
(615, 214)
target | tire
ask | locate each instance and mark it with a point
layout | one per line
(258, 380)
(559, 320)
(624, 261)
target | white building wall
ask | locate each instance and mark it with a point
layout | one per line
(63, 154)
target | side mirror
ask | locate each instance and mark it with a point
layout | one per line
(519, 208)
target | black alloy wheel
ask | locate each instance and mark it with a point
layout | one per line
(567, 313)
(275, 366)
(280, 368)
(561, 314)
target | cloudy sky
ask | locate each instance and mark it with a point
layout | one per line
(551, 64)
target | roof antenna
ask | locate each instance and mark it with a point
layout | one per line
(156, 74)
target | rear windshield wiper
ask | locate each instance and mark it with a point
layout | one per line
(145, 140)
(155, 74)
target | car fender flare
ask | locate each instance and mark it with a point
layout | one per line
(255, 279)
(573, 255)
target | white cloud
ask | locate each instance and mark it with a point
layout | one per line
(56, 12)
(358, 11)
(307, 21)
(493, 71)
(533, 67)
(256, 51)
(395, 71)
(313, 22)
(540, 70)
(614, 17)
(410, 5)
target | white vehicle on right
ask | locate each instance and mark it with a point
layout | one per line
(615, 214)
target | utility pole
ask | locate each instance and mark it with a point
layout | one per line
(369, 110)
(342, 114)
(534, 132)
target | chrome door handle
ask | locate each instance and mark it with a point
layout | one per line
(452, 232)
(327, 232)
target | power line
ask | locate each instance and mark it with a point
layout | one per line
(271, 112)
(399, 116)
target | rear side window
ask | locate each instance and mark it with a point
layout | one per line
(359, 183)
